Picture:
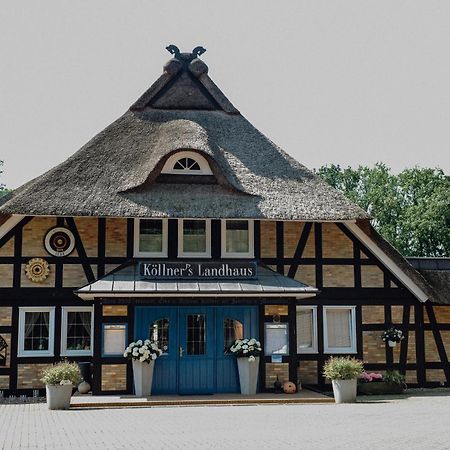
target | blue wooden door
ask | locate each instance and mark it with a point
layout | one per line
(195, 342)
(232, 322)
(161, 324)
(196, 363)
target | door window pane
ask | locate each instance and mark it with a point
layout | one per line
(37, 331)
(237, 236)
(194, 236)
(196, 334)
(159, 332)
(339, 328)
(232, 330)
(151, 236)
(78, 330)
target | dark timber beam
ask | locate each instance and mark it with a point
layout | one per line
(439, 342)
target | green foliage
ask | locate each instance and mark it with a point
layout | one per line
(411, 210)
(61, 371)
(3, 190)
(343, 368)
(394, 376)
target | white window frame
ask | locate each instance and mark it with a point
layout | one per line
(182, 253)
(340, 350)
(64, 314)
(137, 229)
(314, 348)
(51, 332)
(251, 240)
(199, 159)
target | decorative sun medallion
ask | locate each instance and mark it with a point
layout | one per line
(59, 241)
(37, 270)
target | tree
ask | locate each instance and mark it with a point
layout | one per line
(3, 190)
(411, 210)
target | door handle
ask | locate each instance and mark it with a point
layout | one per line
(180, 351)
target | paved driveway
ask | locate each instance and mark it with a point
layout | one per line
(417, 422)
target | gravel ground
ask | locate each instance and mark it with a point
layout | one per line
(419, 422)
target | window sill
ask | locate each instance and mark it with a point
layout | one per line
(340, 351)
(77, 353)
(35, 354)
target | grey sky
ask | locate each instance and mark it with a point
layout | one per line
(349, 82)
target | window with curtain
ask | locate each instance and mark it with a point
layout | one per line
(237, 236)
(306, 329)
(195, 236)
(152, 236)
(37, 331)
(340, 333)
(79, 330)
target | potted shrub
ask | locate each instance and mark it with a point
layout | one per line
(392, 336)
(59, 381)
(247, 352)
(343, 373)
(392, 382)
(143, 355)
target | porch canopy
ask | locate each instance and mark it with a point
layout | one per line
(126, 281)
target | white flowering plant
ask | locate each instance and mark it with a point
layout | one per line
(393, 334)
(246, 348)
(143, 351)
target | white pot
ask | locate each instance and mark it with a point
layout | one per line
(248, 375)
(143, 378)
(344, 391)
(58, 397)
(392, 343)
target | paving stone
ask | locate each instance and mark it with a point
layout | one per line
(413, 423)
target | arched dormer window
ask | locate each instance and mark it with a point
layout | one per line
(186, 163)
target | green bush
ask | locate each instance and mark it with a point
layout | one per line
(343, 368)
(394, 376)
(61, 373)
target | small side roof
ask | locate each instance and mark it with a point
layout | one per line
(126, 281)
(436, 272)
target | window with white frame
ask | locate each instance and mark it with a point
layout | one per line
(194, 238)
(339, 324)
(186, 163)
(76, 330)
(150, 237)
(237, 239)
(306, 329)
(36, 331)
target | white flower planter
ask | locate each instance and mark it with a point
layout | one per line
(143, 378)
(58, 397)
(392, 343)
(344, 391)
(248, 375)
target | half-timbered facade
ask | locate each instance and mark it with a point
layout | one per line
(182, 222)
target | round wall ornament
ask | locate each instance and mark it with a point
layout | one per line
(37, 270)
(59, 241)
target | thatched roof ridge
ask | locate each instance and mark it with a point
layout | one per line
(114, 173)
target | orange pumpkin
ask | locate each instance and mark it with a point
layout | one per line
(289, 387)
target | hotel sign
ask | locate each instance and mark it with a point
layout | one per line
(198, 270)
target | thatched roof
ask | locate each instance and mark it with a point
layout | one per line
(115, 173)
